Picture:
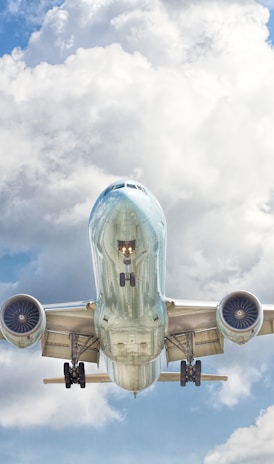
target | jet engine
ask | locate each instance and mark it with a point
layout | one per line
(239, 316)
(22, 320)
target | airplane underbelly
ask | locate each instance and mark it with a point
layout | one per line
(132, 342)
(134, 378)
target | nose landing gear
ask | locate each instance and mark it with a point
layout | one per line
(126, 248)
(74, 373)
(124, 276)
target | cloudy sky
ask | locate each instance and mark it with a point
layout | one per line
(179, 96)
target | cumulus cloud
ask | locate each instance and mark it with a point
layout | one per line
(27, 402)
(248, 445)
(176, 94)
(244, 366)
(167, 33)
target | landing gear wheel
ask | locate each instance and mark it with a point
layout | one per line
(132, 279)
(67, 375)
(198, 369)
(82, 375)
(122, 279)
(183, 374)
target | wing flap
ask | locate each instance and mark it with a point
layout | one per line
(57, 345)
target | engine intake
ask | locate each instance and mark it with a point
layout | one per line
(239, 316)
(22, 320)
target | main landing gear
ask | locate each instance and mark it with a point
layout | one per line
(75, 374)
(190, 373)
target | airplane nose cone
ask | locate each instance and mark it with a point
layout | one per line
(124, 219)
(124, 210)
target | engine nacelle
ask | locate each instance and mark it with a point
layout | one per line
(239, 316)
(22, 320)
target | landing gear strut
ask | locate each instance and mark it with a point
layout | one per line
(190, 373)
(76, 372)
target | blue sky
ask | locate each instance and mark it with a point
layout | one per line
(178, 95)
(18, 20)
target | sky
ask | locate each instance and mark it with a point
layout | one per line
(179, 96)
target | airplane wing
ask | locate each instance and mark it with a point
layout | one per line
(68, 320)
(193, 332)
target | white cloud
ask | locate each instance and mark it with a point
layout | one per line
(167, 33)
(238, 387)
(27, 402)
(248, 445)
(244, 366)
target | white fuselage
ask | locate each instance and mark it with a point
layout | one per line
(128, 238)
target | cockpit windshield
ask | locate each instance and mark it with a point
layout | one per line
(120, 185)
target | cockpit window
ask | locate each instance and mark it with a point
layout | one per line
(141, 188)
(118, 186)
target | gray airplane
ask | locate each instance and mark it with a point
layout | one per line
(131, 320)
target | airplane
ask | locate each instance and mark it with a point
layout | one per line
(131, 321)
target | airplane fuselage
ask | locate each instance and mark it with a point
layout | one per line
(128, 238)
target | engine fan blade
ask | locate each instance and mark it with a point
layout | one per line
(21, 316)
(240, 312)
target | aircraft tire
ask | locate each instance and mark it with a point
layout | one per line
(183, 374)
(198, 369)
(67, 375)
(132, 279)
(122, 279)
(82, 375)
